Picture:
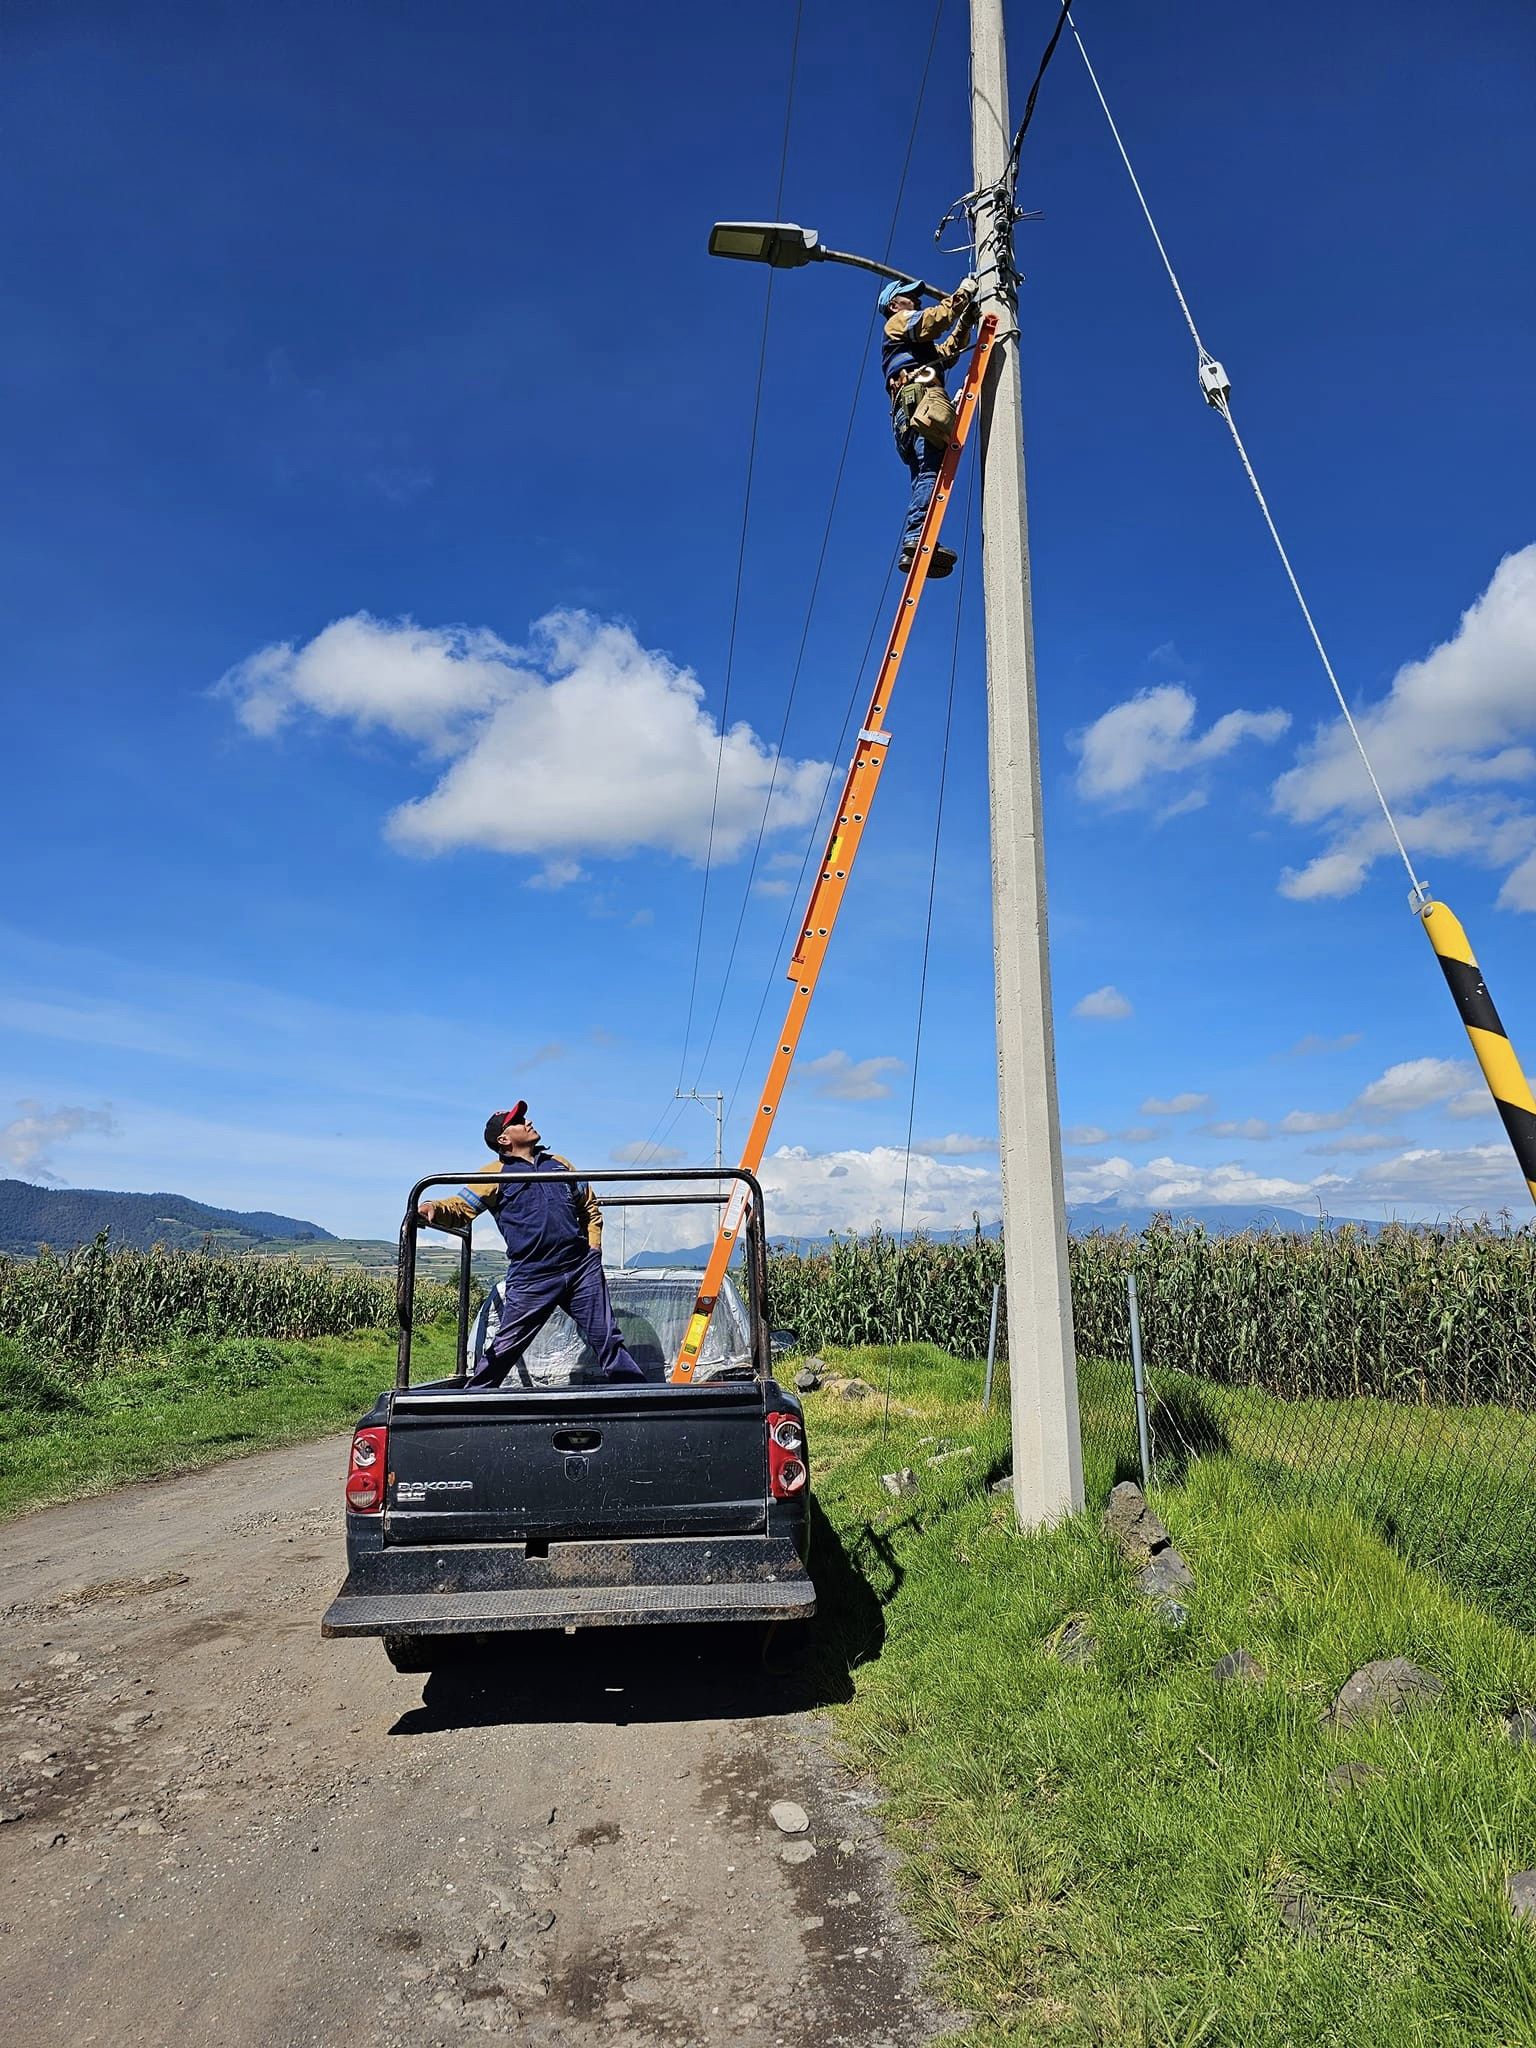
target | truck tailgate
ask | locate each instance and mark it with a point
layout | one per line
(515, 1464)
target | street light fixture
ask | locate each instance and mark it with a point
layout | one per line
(786, 246)
(778, 242)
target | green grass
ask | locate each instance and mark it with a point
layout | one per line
(1453, 1488)
(1095, 1852)
(190, 1403)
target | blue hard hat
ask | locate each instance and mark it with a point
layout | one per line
(897, 290)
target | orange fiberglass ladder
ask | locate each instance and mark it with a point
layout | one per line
(837, 862)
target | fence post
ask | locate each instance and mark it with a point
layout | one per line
(1139, 1380)
(986, 1392)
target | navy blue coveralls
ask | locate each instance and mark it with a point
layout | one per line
(912, 341)
(550, 1264)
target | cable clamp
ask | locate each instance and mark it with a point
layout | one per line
(1214, 381)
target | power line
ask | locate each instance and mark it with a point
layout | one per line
(1010, 176)
(826, 536)
(741, 552)
(814, 839)
(933, 867)
(933, 878)
(1218, 391)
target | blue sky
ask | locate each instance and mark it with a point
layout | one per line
(378, 429)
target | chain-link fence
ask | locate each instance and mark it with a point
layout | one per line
(1394, 1370)
(1410, 1442)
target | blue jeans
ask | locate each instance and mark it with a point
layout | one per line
(924, 461)
(533, 1293)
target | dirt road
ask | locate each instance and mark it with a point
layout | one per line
(218, 1828)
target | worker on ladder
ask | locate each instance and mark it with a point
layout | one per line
(917, 349)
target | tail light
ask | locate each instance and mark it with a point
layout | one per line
(365, 1471)
(787, 1469)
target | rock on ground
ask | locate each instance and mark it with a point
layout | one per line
(1238, 1667)
(1390, 1686)
(1131, 1525)
(1297, 1909)
(568, 1847)
(1350, 1776)
(1075, 1643)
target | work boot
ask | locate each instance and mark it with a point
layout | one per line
(940, 562)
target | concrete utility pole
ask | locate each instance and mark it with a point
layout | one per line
(1042, 1364)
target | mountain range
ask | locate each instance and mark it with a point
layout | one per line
(31, 1216)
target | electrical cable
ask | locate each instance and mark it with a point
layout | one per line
(1011, 174)
(814, 838)
(741, 552)
(826, 536)
(1217, 392)
(1001, 198)
(933, 877)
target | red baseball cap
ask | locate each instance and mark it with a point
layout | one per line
(498, 1120)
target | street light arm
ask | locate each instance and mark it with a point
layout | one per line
(785, 245)
(824, 255)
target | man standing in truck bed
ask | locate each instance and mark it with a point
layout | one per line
(553, 1231)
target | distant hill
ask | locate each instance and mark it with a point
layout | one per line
(65, 1217)
(1083, 1218)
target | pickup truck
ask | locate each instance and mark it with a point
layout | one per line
(472, 1512)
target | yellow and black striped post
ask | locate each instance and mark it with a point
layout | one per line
(1507, 1084)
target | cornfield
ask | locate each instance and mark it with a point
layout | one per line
(1444, 1315)
(97, 1304)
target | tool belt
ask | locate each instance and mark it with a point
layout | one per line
(920, 403)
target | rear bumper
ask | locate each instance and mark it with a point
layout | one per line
(482, 1589)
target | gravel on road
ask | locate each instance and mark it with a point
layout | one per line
(218, 1828)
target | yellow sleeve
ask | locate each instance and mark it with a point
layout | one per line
(471, 1200)
(934, 319)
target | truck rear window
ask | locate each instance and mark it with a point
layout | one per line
(652, 1310)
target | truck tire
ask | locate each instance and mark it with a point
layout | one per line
(417, 1653)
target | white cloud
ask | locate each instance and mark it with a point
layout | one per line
(1170, 1183)
(1480, 1177)
(957, 1145)
(1519, 890)
(583, 742)
(1084, 1134)
(1412, 1084)
(1106, 1002)
(842, 1079)
(1460, 725)
(1175, 1105)
(1301, 1123)
(807, 1194)
(639, 1153)
(556, 874)
(1358, 1141)
(1246, 1127)
(1415, 1084)
(1472, 1103)
(1417, 1181)
(28, 1140)
(1151, 735)
(1312, 1043)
